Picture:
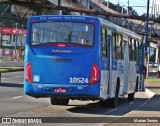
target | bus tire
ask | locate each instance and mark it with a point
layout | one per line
(63, 101)
(131, 96)
(137, 81)
(103, 103)
(113, 102)
(54, 101)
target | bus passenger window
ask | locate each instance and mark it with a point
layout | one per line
(119, 46)
(133, 49)
(103, 42)
(130, 48)
(114, 45)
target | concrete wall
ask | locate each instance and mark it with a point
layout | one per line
(68, 3)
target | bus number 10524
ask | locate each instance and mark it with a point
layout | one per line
(78, 80)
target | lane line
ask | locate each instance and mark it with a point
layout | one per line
(151, 95)
(4, 78)
(17, 97)
(18, 76)
(110, 111)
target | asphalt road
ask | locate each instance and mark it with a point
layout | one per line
(14, 103)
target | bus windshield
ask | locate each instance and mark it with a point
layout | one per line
(62, 32)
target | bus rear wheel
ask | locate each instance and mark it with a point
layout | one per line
(63, 101)
(55, 101)
(113, 102)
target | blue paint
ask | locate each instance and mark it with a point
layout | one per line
(52, 66)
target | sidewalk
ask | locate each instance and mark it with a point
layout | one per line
(154, 87)
(11, 64)
(150, 109)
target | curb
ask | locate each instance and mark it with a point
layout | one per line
(149, 92)
(12, 63)
(12, 70)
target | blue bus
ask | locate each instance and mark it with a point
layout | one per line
(81, 57)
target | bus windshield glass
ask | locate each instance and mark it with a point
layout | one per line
(62, 32)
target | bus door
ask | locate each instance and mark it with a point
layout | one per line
(104, 64)
(110, 57)
(126, 65)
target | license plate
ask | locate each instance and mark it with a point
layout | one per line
(58, 90)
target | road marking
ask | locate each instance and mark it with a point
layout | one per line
(131, 103)
(4, 78)
(17, 97)
(18, 76)
(110, 111)
(139, 105)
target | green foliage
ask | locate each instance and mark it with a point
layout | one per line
(21, 48)
(12, 47)
(152, 80)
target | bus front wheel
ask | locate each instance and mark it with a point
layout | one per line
(131, 96)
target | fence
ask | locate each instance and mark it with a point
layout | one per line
(10, 55)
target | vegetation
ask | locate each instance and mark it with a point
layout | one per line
(152, 80)
(13, 47)
(6, 69)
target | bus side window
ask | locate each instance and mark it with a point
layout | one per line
(134, 50)
(137, 52)
(104, 42)
(114, 45)
(122, 48)
(130, 49)
(119, 40)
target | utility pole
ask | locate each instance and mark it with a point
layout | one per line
(128, 8)
(118, 6)
(22, 35)
(1, 34)
(16, 38)
(2, 25)
(146, 42)
(59, 4)
(108, 6)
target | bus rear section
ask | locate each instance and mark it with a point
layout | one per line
(62, 60)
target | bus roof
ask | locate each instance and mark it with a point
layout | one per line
(119, 29)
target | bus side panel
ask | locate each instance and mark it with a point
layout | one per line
(104, 79)
(132, 77)
(114, 77)
(120, 74)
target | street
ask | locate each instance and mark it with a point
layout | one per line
(14, 103)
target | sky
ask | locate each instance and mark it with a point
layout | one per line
(142, 5)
